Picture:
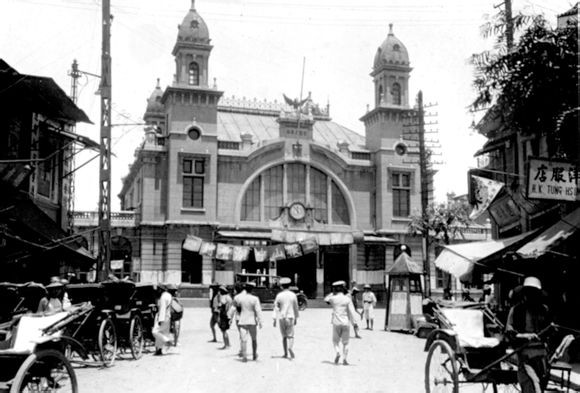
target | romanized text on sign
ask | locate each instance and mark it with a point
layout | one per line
(550, 179)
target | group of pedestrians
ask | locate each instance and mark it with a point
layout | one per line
(244, 311)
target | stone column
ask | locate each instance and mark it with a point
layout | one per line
(319, 275)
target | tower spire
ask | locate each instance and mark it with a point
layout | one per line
(192, 4)
(391, 29)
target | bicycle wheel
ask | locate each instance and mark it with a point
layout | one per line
(45, 371)
(136, 337)
(107, 342)
(441, 372)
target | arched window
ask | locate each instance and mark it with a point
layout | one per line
(396, 93)
(381, 94)
(301, 181)
(193, 74)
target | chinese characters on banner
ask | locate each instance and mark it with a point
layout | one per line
(548, 179)
(485, 191)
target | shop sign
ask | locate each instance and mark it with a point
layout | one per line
(553, 179)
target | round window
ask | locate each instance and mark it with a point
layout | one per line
(401, 149)
(194, 133)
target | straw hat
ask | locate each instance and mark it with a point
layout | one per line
(533, 282)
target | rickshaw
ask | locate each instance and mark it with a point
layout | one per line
(145, 300)
(126, 316)
(32, 353)
(19, 299)
(268, 286)
(96, 330)
(469, 350)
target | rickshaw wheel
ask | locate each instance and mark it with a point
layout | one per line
(136, 337)
(45, 371)
(441, 372)
(175, 329)
(302, 304)
(107, 342)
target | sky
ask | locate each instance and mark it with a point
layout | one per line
(259, 47)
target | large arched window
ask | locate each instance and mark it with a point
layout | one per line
(264, 199)
(396, 93)
(193, 74)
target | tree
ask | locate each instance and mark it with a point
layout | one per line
(534, 86)
(442, 221)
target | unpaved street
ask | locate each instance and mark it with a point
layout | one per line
(380, 362)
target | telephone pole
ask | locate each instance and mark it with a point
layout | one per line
(509, 25)
(423, 173)
(74, 74)
(104, 259)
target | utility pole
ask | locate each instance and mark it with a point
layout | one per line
(104, 259)
(509, 25)
(74, 74)
(423, 173)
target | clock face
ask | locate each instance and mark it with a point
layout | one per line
(297, 211)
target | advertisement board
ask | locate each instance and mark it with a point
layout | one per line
(552, 179)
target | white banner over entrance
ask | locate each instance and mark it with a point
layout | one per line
(553, 179)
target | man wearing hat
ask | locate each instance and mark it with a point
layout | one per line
(52, 302)
(250, 317)
(342, 317)
(286, 312)
(225, 302)
(369, 303)
(353, 296)
(162, 323)
(215, 309)
(526, 320)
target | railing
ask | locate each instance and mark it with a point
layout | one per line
(91, 218)
(359, 155)
(228, 145)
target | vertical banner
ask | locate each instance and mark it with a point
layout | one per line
(240, 253)
(276, 253)
(484, 192)
(293, 250)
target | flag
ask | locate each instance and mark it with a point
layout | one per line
(276, 253)
(192, 243)
(241, 253)
(293, 250)
(484, 192)
(260, 254)
(309, 245)
(224, 252)
(207, 249)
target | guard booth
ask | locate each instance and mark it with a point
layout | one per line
(404, 294)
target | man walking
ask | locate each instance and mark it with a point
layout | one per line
(353, 292)
(162, 322)
(234, 313)
(369, 303)
(250, 312)
(286, 312)
(342, 316)
(225, 302)
(214, 306)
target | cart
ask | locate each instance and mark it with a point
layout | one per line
(19, 299)
(469, 351)
(96, 330)
(145, 300)
(32, 353)
(126, 316)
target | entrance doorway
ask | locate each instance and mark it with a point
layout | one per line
(302, 271)
(191, 267)
(335, 262)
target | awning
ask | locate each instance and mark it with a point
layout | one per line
(551, 237)
(459, 259)
(380, 240)
(80, 139)
(245, 235)
(28, 224)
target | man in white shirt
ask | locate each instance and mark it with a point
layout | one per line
(369, 303)
(342, 316)
(286, 312)
(162, 322)
(250, 318)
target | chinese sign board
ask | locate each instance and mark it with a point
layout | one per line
(551, 179)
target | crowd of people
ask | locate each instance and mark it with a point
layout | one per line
(244, 311)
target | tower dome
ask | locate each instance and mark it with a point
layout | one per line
(391, 52)
(155, 107)
(193, 28)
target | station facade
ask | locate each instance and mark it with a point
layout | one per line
(257, 174)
